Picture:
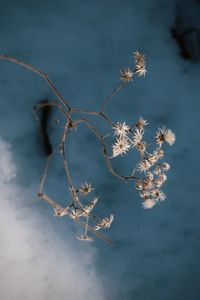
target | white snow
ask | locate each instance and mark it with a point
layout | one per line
(35, 262)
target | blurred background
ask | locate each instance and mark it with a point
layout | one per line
(82, 45)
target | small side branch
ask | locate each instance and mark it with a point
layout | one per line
(105, 102)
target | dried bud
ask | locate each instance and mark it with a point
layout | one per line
(60, 211)
(157, 170)
(126, 75)
(140, 64)
(84, 237)
(158, 194)
(165, 166)
(144, 165)
(141, 123)
(139, 185)
(105, 222)
(85, 189)
(145, 194)
(147, 184)
(149, 175)
(88, 208)
(148, 203)
(162, 177)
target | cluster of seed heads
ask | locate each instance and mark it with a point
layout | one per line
(126, 75)
(151, 164)
(78, 210)
(150, 170)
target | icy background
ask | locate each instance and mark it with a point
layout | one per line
(83, 45)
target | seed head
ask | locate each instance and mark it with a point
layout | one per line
(165, 166)
(84, 237)
(88, 208)
(147, 184)
(140, 63)
(121, 129)
(137, 137)
(148, 203)
(157, 170)
(120, 147)
(60, 211)
(126, 75)
(144, 166)
(158, 194)
(149, 175)
(139, 185)
(141, 123)
(162, 177)
(165, 135)
(86, 188)
(105, 222)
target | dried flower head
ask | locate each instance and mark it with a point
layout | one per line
(157, 170)
(141, 123)
(158, 194)
(158, 183)
(60, 211)
(140, 63)
(147, 184)
(139, 185)
(137, 136)
(145, 194)
(88, 208)
(162, 177)
(126, 75)
(105, 222)
(153, 158)
(86, 188)
(141, 147)
(148, 203)
(121, 129)
(121, 146)
(165, 135)
(149, 175)
(165, 166)
(77, 213)
(159, 153)
(143, 166)
(84, 237)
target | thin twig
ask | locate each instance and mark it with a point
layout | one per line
(105, 102)
(63, 149)
(49, 103)
(45, 174)
(39, 72)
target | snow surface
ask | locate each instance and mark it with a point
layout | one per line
(83, 45)
(35, 262)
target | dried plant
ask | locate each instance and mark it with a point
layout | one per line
(148, 174)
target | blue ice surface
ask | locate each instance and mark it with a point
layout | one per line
(82, 45)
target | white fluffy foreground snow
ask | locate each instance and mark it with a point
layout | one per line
(83, 45)
(34, 262)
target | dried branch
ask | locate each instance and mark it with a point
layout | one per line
(127, 137)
